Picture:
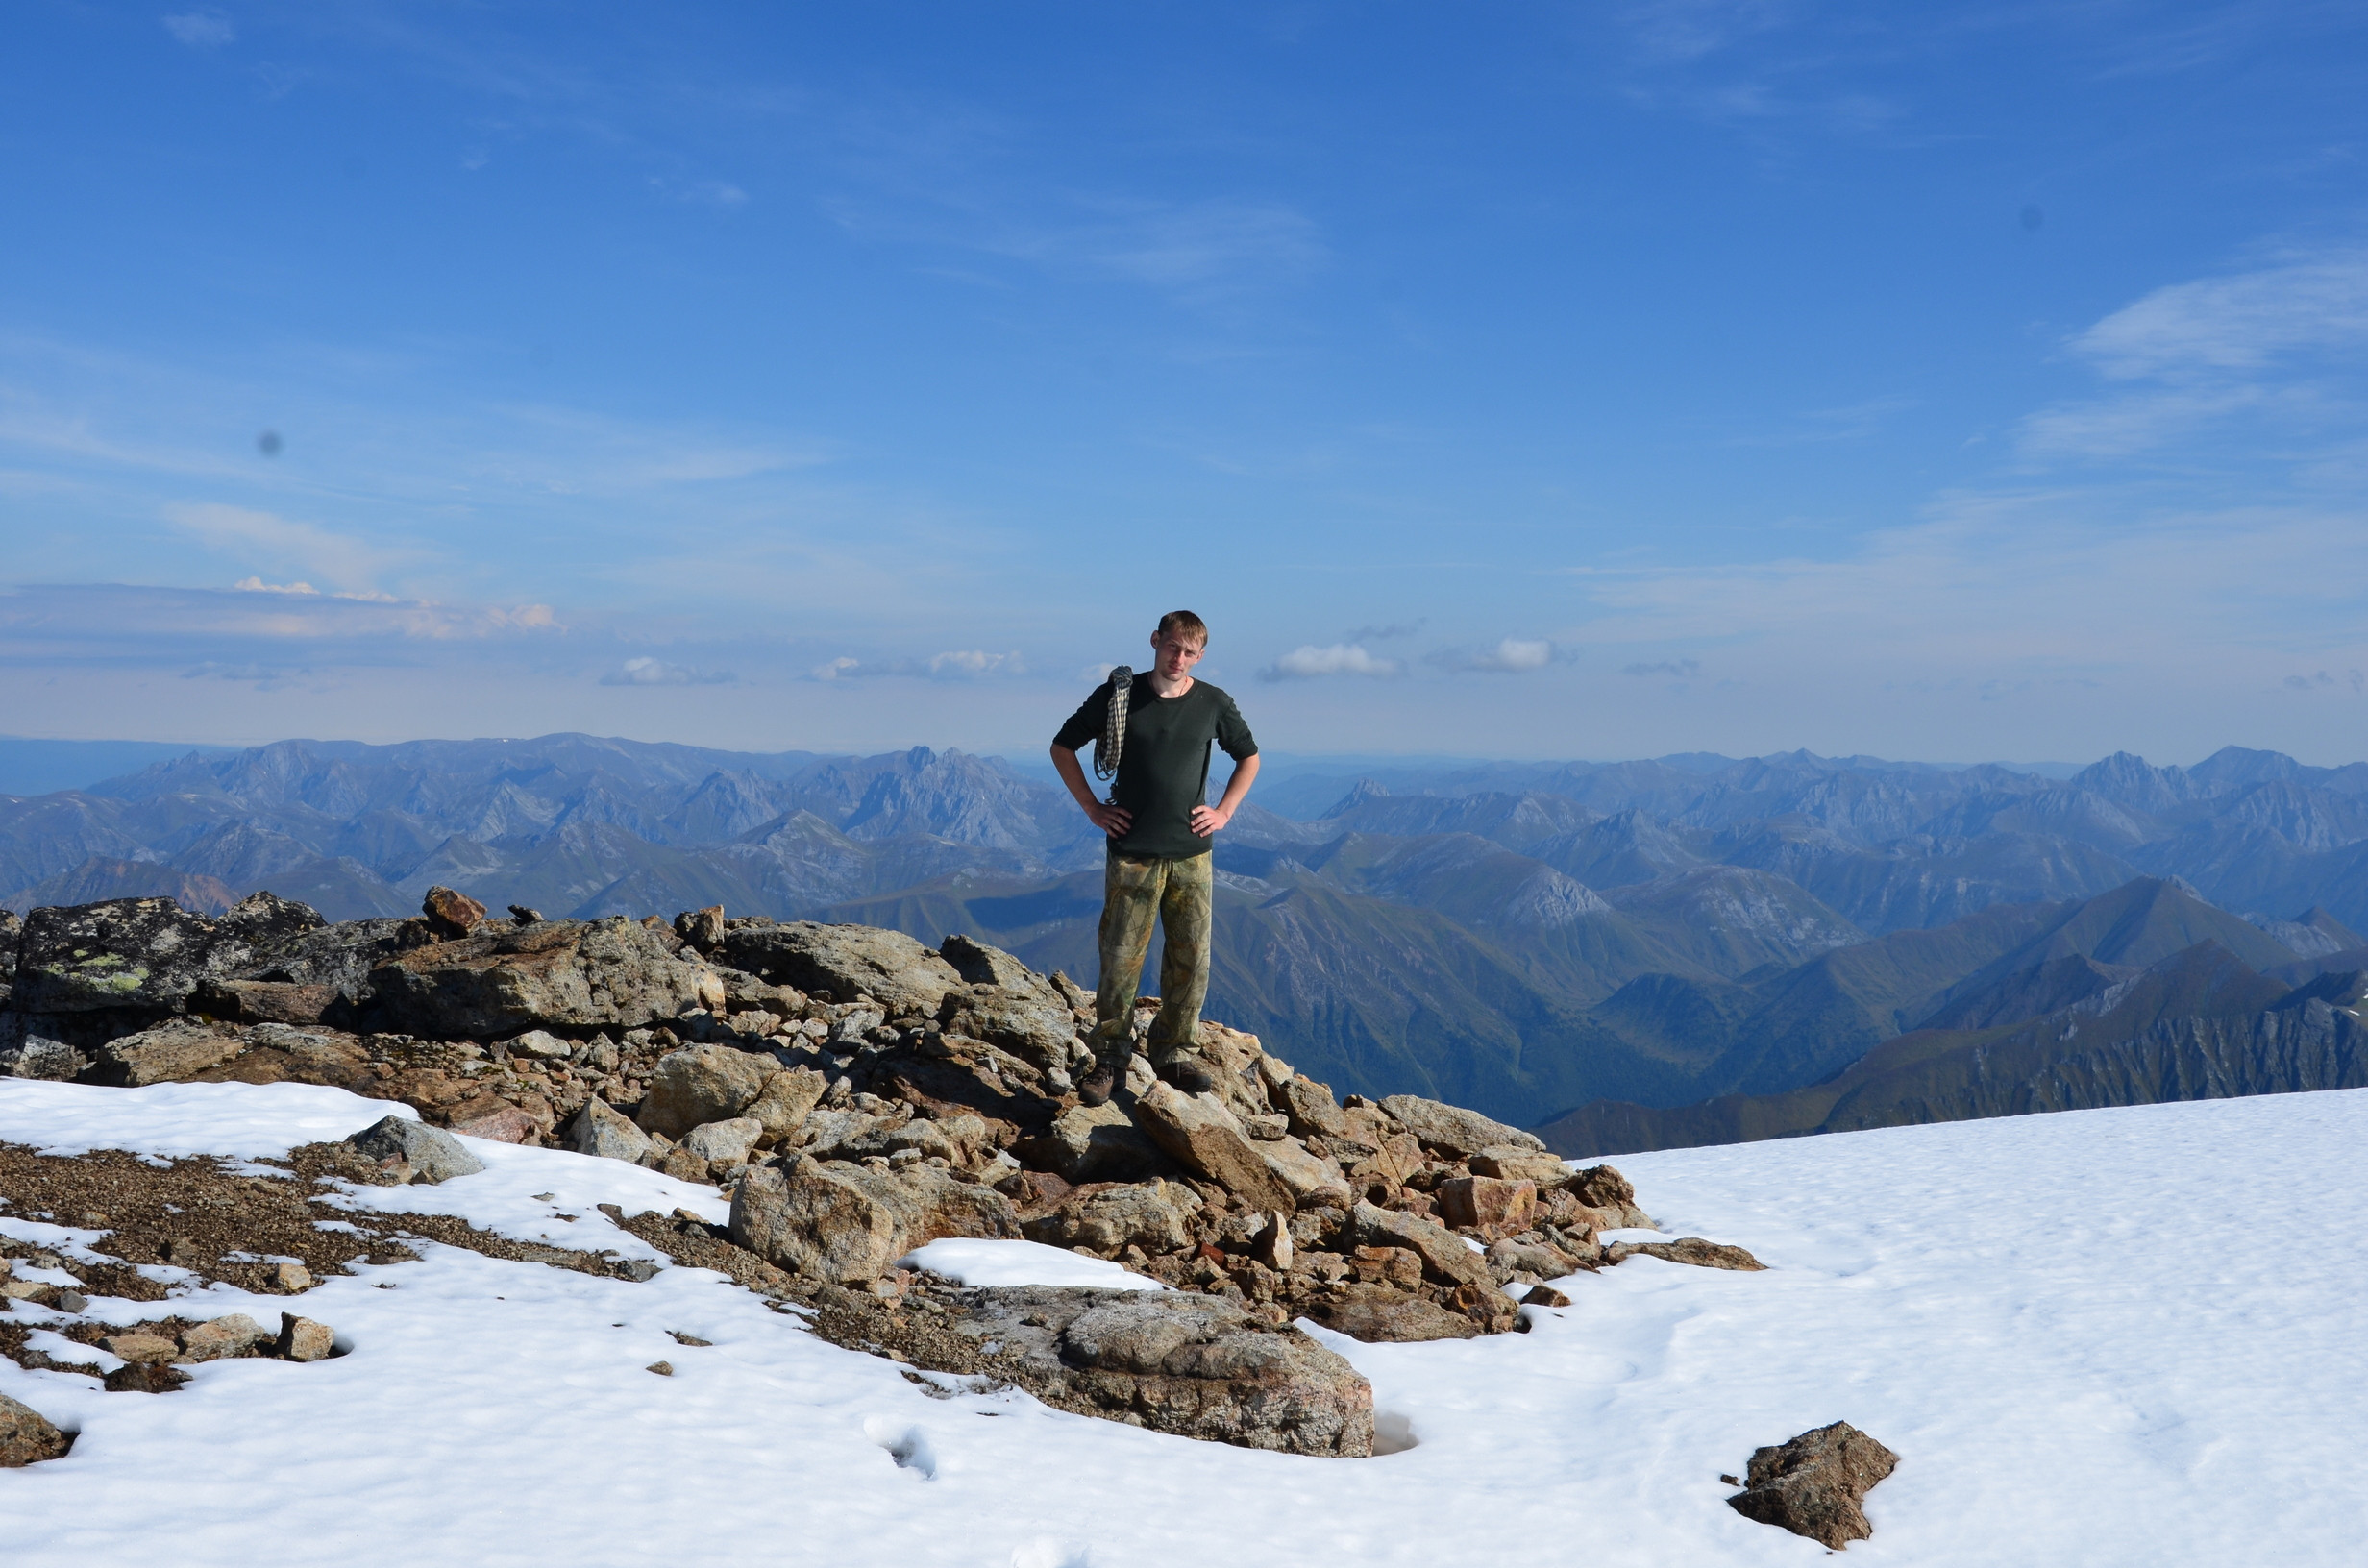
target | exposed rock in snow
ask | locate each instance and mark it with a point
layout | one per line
(1813, 1485)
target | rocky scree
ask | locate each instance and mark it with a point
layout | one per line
(858, 1095)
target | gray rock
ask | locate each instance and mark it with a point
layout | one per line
(1174, 1361)
(1452, 1130)
(1687, 1249)
(1094, 1143)
(501, 980)
(169, 1052)
(27, 1436)
(414, 1151)
(34, 1045)
(542, 1045)
(1380, 1315)
(1815, 1485)
(1153, 1215)
(1204, 1137)
(825, 1134)
(851, 1223)
(1314, 1183)
(1444, 1255)
(786, 1100)
(724, 1145)
(1041, 1029)
(702, 1084)
(1600, 1187)
(235, 1334)
(601, 1129)
(1510, 1162)
(140, 953)
(301, 1339)
(844, 960)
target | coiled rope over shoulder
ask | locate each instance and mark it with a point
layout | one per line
(1113, 743)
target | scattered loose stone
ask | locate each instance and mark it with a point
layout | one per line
(140, 1347)
(301, 1339)
(233, 1334)
(451, 914)
(664, 1369)
(144, 1378)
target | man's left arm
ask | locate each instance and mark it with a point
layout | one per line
(1235, 737)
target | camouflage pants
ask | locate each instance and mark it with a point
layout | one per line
(1136, 891)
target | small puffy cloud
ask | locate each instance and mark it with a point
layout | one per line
(1394, 628)
(650, 672)
(974, 662)
(201, 29)
(1340, 659)
(1510, 656)
(1682, 669)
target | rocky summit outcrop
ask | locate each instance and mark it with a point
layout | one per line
(1814, 1485)
(859, 1096)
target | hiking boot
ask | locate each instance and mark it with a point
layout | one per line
(1098, 1086)
(1189, 1071)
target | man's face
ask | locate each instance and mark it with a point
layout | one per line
(1176, 652)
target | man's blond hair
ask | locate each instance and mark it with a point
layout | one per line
(1184, 624)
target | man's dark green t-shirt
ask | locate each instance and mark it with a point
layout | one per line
(1163, 766)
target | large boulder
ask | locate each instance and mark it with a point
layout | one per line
(143, 953)
(1043, 1030)
(1204, 1137)
(1453, 1131)
(844, 960)
(701, 1084)
(1094, 1143)
(1816, 1485)
(568, 973)
(849, 1223)
(1106, 1218)
(1194, 1366)
(1315, 1181)
(412, 1151)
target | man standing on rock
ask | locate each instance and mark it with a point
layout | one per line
(1160, 827)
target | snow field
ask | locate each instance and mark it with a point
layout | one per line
(2101, 1337)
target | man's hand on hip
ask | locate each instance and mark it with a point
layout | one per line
(1114, 821)
(1208, 820)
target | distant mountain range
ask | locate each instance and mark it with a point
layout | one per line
(1522, 938)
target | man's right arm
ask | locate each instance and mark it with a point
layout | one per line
(1111, 819)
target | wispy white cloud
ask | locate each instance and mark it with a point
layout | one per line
(963, 664)
(2310, 304)
(283, 542)
(1510, 656)
(1309, 662)
(201, 29)
(1683, 669)
(647, 670)
(2268, 349)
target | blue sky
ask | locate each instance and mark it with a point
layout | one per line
(1499, 379)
